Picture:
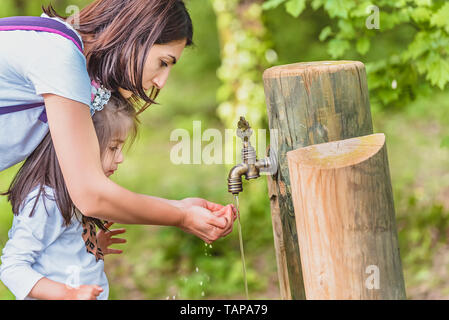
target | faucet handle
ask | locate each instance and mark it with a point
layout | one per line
(243, 124)
(244, 130)
(244, 135)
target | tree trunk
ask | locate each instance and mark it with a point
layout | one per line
(311, 103)
(345, 220)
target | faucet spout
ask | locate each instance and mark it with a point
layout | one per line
(235, 178)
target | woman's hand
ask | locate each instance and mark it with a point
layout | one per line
(105, 239)
(207, 220)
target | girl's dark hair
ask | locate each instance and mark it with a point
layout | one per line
(120, 34)
(42, 169)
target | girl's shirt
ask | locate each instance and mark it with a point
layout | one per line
(40, 246)
(31, 64)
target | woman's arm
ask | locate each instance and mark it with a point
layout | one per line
(95, 195)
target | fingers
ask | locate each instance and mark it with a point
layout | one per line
(96, 291)
(113, 251)
(93, 292)
(213, 206)
(117, 240)
(108, 224)
(219, 222)
(230, 215)
(117, 231)
(227, 232)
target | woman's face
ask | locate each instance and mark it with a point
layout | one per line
(160, 60)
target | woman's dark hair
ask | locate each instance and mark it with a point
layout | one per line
(120, 34)
(42, 168)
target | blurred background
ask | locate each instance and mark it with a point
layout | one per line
(405, 53)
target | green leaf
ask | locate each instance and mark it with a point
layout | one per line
(438, 71)
(339, 8)
(421, 14)
(423, 3)
(316, 4)
(440, 18)
(337, 47)
(420, 44)
(325, 33)
(346, 29)
(295, 7)
(362, 9)
(271, 4)
(363, 45)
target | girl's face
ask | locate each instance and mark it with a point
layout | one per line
(160, 60)
(113, 155)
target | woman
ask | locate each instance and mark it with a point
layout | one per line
(129, 47)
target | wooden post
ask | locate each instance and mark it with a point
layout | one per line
(309, 103)
(279, 244)
(345, 220)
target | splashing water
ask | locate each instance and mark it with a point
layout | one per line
(242, 253)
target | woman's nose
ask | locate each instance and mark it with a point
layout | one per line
(160, 80)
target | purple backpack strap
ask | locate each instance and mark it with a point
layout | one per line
(39, 24)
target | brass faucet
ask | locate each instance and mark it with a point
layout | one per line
(251, 167)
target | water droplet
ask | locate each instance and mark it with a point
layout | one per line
(196, 269)
(205, 244)
(394, 84)
(201, 283)
(210, 246)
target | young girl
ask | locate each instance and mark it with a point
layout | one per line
(129, 47)
(53, 251)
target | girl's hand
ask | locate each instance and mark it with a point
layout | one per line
(105, 239)
(84, 292)
(207, 220)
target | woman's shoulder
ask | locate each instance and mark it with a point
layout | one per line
(47, 62)
(62, 43)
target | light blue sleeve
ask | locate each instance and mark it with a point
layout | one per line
(57, 66)
(28, 238)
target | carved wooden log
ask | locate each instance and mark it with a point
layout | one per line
(345, 220)
(309, 103)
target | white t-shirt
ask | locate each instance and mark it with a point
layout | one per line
(40, 246)
(31, 64)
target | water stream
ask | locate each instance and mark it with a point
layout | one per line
(242, 252)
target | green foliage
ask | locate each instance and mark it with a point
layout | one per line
(244, 47)
(416, 65)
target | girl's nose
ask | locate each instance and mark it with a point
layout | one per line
(119, 158)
